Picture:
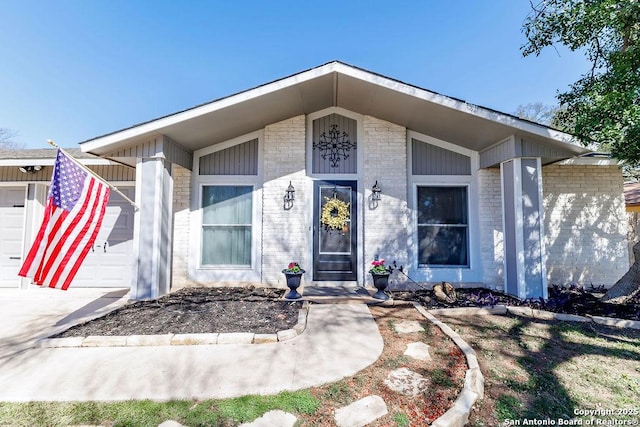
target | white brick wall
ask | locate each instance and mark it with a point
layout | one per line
(181, 224)
(491, 231)
(284, 234)
(386, 227)
(585, 224)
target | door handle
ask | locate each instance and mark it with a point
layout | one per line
(104, 247)
(15, 257)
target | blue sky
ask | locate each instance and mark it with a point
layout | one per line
(76, 69)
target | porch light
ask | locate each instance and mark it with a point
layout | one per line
(30, 169)
(375, 192)
(289, 195)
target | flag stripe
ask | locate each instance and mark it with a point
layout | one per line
(75, 208)
(35, 255)
(61, 248)
(96, 224)
(83, 238)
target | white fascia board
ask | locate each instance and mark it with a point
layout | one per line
(590, 161)
(159, 124)
(51, 162)
(455, 104)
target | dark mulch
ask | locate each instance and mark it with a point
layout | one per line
(198, 310)
(562, 299)
(263, 311)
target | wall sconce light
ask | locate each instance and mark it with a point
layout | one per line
(375, 192)
(30, 169)
(289, 196)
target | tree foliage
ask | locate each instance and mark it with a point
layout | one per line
(6, 139)
(537, 112)
(603, 106)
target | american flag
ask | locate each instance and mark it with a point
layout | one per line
(73, 215)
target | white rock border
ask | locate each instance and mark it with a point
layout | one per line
(473, 389)
(180, 339)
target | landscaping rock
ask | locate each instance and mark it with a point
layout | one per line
(361, 412)
(149, 340)
(265, 338)
(104, 341)
(235, 338)
(170, 423)
(406, 382)
(275, 418)
(445, 292)
(418, 350)
(408, 326)
(194, 339)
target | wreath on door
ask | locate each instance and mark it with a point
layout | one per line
(335, 213)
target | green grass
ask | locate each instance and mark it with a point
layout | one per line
(507, 407)
(147, 413)
(401, 419)
(440, 378)
(339, 393)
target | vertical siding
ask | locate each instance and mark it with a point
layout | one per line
(115, 173)
(346, 125)
(241, 159)
(13, 174)
(498, 153)
(158, 145)
(427, 159)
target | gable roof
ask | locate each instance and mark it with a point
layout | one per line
(341, 85)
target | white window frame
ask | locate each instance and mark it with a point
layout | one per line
(202, 226)
(437, 273)
(226, 273)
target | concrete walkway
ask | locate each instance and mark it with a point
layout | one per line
(339, 341)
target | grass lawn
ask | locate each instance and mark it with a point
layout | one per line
(533, 370)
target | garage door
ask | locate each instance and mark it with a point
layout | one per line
(11, 228)
(110, 262)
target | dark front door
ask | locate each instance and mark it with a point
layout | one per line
(335, 230)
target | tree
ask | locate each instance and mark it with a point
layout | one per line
(6, 139)
(603, 106)
(537, 112)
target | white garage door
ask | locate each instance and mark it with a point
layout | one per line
(110, 262)
(11, 228)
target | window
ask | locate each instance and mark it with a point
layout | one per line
(226, 225)
(443, 226)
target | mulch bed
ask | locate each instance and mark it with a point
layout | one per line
(562, 299)
(198, 310)
(263, 311)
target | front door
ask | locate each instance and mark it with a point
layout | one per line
(335, 230)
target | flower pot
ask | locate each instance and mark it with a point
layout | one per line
(293, 282)
(380, 281)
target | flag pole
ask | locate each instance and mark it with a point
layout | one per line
(95, 175)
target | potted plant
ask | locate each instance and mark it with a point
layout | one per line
(380, 274)
(293, 273)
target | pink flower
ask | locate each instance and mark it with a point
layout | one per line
(292, 264)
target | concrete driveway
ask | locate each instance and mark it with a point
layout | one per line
(340, 340)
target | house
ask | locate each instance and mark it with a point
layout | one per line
(337, 166)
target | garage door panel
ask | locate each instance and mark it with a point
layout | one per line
(11, 232)
(110, 264)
